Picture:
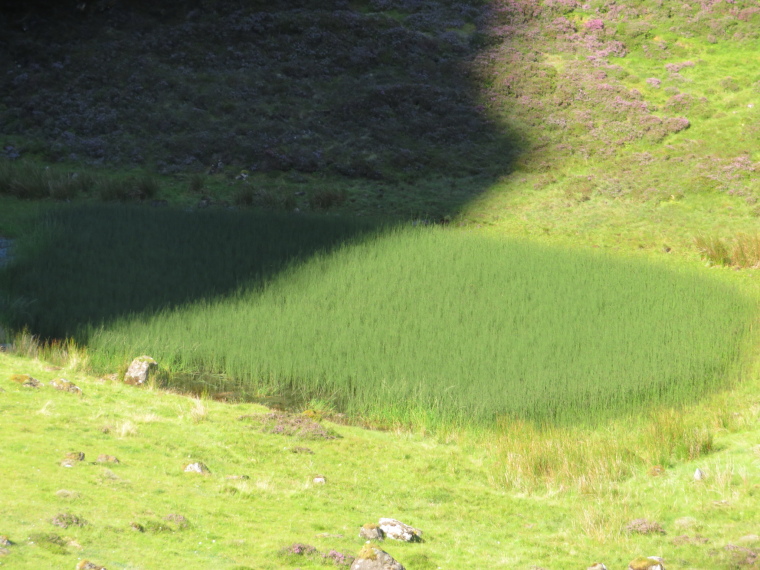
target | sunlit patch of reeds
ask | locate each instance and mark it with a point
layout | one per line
(431, 326)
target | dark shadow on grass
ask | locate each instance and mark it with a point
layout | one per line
(376, 93)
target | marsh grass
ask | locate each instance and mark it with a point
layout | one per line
(742, 251)
(423, 327)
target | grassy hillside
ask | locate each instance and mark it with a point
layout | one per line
(394, 210)
(145, 512)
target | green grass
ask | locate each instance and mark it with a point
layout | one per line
(439, 486)
(420, 326)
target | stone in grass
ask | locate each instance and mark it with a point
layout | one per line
(65, 520)
(397, 530)
(597, 566)
(646, 563)
(26, 380)
(5, 541)
(139, 371)
(66, 386)
(72, 459)
(699, 475)
(319, 480)
(197, 467)
(644, 526)
(103, 458)
(372, 558)
(371, 531)
(87, 565)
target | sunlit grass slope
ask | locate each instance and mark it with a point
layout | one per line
(424, 325)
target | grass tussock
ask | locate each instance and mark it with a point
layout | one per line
(742, 251)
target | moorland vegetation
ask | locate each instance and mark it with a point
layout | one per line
(522, 233)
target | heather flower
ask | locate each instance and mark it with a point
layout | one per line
(654, 82)
(595, 25)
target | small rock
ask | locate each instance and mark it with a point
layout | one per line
(4, 541)
(646, 563)
(699, 475)
(197, 467)
(87, 565)
(644, 526)
(103, 458)
(319, 480)
(136, 526)
(397, 530)
(66, 386)
(597, 566)
(371, 531)
(71, 459)
(372, 558)
(26, 380)
(139, 371)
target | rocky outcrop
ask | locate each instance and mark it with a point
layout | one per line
(371, 531)
(372, 558)
(397, 530)
(197, 467)
(139, 371)
(66, 386)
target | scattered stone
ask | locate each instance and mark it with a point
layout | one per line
(699, 475)
(178, 519)
(371, 531)
(597, 566)
(139, 371)
(87, 565)
(26, 380)
(372, 558)
(237, 477)
(4, 541)
(300, 449)
(137, 527)
(397, 530)
(197, 467)
(65, 520)
(103, 458)
(72, 459)
(646, 563)
(319, 480)
(66, 494)
(686, 539)
(66, 386)
(644, 526)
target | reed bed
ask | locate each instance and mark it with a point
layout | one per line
(429, 326)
